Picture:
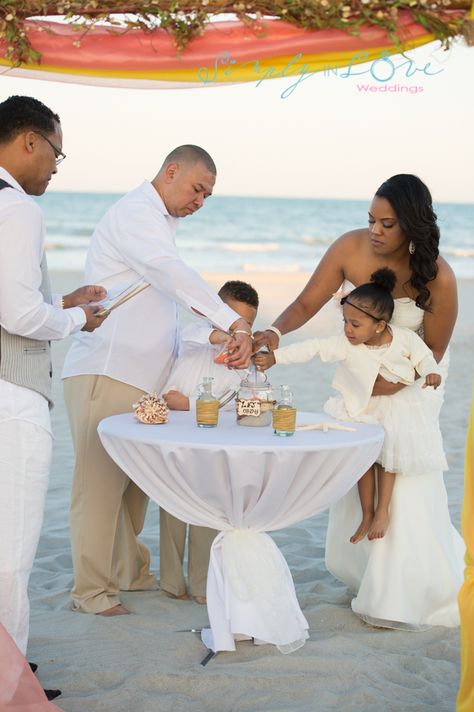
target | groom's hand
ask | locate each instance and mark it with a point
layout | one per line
(84, 295)
(240, 349)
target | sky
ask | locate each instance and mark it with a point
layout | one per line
(326, 137)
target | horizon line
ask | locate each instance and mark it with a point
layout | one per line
(258, 197)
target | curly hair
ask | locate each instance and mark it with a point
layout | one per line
(240, 291)
(375, 297)
(411, 200)
(23, 113)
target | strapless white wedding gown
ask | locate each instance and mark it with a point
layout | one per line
(411, 577)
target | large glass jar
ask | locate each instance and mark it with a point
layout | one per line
(255, 400)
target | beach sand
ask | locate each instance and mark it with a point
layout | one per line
(141, 663)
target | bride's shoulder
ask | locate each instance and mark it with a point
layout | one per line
(445, 279)
(352, 240)
(445, 271)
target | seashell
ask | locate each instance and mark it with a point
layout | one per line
(151, 409)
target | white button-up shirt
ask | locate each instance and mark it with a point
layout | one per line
(23, 310)
(137, 342)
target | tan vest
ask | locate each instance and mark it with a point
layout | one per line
(27, 362)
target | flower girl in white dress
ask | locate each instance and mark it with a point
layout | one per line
(421, 568)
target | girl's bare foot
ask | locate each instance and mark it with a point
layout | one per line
(201, 600)
(379, 525)
(363, 528)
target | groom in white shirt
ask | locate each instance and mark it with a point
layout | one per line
(30, 317)
(105, 373)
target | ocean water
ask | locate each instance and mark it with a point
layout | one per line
(247, 234)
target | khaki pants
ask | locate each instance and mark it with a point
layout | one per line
(172, 542)
(107, 508)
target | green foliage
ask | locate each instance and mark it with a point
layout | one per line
(187, 20)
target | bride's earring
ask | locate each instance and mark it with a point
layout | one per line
(411, 247)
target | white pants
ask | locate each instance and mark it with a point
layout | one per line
(25, 458)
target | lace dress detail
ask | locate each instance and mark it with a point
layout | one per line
(410, 578)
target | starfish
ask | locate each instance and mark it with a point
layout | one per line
(325, 427)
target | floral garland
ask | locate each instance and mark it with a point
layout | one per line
(186, 20)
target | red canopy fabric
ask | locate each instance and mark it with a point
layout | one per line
(226, 52)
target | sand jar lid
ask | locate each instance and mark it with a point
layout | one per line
(256, 381)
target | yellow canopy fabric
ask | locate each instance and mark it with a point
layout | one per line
(465, 701)
(227, 52)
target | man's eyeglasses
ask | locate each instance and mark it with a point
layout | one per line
(59, 155)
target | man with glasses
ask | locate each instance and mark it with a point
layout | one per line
(58, 154)
(30, 150)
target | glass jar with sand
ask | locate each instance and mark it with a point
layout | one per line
(255, 400)
(284, 414)
(207, 406)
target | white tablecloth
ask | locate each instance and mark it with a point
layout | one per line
(243, 481)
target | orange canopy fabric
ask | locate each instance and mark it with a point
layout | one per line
(227, 52)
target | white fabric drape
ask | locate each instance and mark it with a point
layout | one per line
(243, 481)
(25, 457)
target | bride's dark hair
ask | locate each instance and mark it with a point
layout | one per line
(411, 200)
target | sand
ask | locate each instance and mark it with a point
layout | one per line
(141, 663)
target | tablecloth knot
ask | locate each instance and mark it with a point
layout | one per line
(252, 564)
(258, 575)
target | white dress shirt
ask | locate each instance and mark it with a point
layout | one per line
(23, 310)
(137, 342)
(359, 366)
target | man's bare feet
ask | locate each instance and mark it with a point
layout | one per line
(202, 600)
(182, 597)
(118, 610)
(363, 528)
(379, 525)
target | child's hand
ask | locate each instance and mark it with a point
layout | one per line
(432, 379)
(176, 400)
(263, 360)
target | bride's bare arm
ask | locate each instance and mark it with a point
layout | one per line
(325, 280)
(439, 322)
(385, 388)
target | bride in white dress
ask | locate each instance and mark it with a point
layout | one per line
(409, 578)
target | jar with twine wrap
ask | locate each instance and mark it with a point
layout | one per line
(284, 415)
(207, 406)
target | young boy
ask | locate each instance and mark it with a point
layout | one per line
(196, 360)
